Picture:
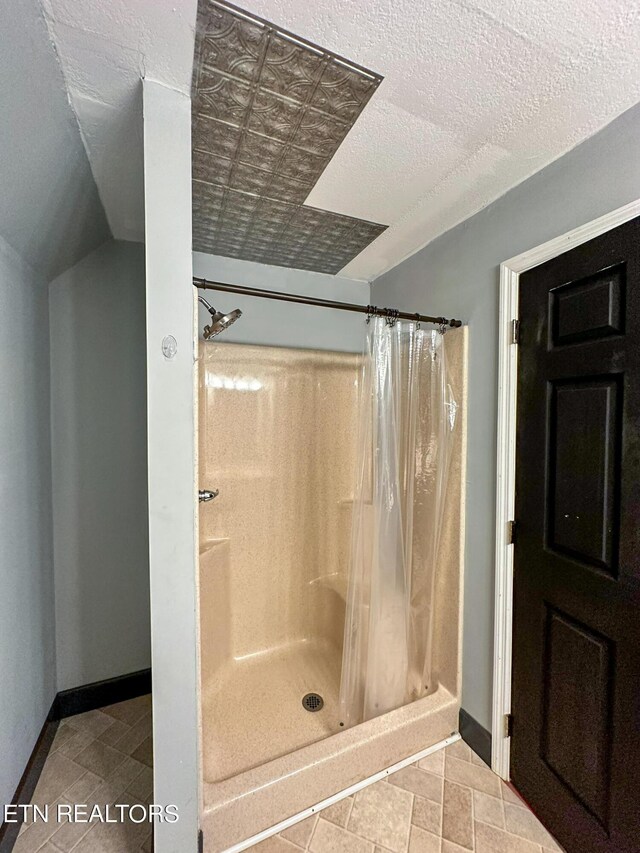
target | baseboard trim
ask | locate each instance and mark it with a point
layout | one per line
(27, 784)
(88, 697)
(478, 738)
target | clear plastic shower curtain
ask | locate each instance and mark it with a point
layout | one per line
(407, 416)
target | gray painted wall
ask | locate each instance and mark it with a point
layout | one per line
(273, 323)
(457, 275)
(50, 210)
(99, 451)
(27, 641)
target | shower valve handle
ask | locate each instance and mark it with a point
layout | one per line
(205, 495)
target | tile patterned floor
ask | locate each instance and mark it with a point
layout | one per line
(450, 802)
(101, 757)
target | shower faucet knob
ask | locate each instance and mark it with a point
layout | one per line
(205, 495)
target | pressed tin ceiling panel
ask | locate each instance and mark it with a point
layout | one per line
(269, 112)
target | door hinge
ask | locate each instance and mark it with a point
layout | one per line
(515, 331)
(200, 841)
(512, 530)
(508, 725)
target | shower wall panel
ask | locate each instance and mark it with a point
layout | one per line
(277, 439)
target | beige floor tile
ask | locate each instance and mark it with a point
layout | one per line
(114, 733)
(65, 780)
(488, 809)
(32, 839)
(113, 838)
(105, 793)
(459, 750)
(329, 838)
(123, 776)
(510, 796)
(427, 815)
(480, 762)
(276, 844)
(38, 832)
(422, 841)
(100, 758)
(401, 815)
(465, 773)
(300, 833)
(142, 785)
(339, 812)
(134, 736)
(381, 813)
(520, 821)
(58, 774)
(434, 763)
(75, 743)
(457, 814)
(94, 722)
(144, 752)
(131, 711)
(69, 834)
(419, 782)
(81, 790)
(490, 839)
(62, 736)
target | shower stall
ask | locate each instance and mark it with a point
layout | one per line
(330, 565)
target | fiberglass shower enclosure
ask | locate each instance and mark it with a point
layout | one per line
(329, 565)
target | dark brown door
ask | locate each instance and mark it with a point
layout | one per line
(576, 653)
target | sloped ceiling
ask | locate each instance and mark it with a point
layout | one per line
(477, 95)
(105, 48)
(50, 211)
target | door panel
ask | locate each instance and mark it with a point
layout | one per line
(576, 642)
(589, 308)
(579, 754)
(583, 470)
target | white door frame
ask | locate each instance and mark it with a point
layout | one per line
(510, 272)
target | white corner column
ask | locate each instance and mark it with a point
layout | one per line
(171, 449)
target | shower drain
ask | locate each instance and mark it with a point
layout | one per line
(312, 702)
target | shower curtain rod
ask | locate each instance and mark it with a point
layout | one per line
(370, 310)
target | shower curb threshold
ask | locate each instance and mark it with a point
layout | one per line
(335, 798)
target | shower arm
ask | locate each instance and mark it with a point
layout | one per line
(370, 310)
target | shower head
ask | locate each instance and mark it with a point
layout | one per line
(219, 321)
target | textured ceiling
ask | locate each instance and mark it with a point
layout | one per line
(269, 112)
(477, 95)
